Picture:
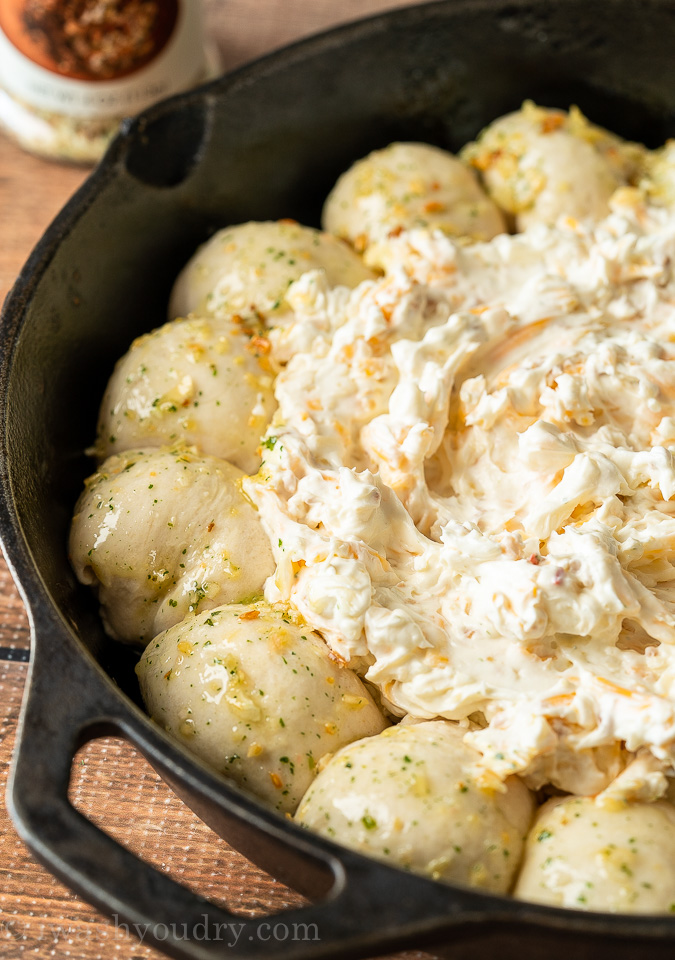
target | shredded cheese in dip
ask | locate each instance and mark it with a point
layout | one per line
(467, 487)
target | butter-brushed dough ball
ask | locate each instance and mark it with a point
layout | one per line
(540, 164)
(200, 381)
(164, 533)
(659, 180)
(255, 695)
(247, 269)
(409, 185)
(619, 859)
(409, 796)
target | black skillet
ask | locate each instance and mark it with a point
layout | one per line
(267, 141)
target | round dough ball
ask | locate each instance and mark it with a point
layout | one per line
(247, 269)
(540, 164)
(659, 183)
(590, 857)
(256, 696)
(198, 381)
(409, 796)
(409, 185)
(163, 534)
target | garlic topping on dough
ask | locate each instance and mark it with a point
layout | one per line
(247, 269)
(616, 860)
(257, 696)
(409, 797)
(164, 533)
(539, 164)
(207, 382)
(409, 185)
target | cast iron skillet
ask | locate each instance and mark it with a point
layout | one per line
(267, 141)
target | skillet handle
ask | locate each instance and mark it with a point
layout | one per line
(70, 701)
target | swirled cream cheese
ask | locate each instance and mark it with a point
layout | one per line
(468, 486)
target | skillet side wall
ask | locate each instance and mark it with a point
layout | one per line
(269, 142)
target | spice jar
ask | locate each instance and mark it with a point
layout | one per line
(70, 70)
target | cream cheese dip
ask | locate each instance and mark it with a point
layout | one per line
(467, 486)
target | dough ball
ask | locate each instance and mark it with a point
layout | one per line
(659, 183)
(256, 696)
(409, 185)
(409, 796)
(539, 164)
(165, 533)
(200, 381)
(247, 269)
(617, 859)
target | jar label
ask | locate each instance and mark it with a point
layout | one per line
(99, 58)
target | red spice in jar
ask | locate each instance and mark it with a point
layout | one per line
(99, 39)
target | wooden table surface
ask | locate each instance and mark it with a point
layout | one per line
(112, 785)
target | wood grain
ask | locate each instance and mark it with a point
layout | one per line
(111, 784)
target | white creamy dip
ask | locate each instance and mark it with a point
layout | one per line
(467, 486)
